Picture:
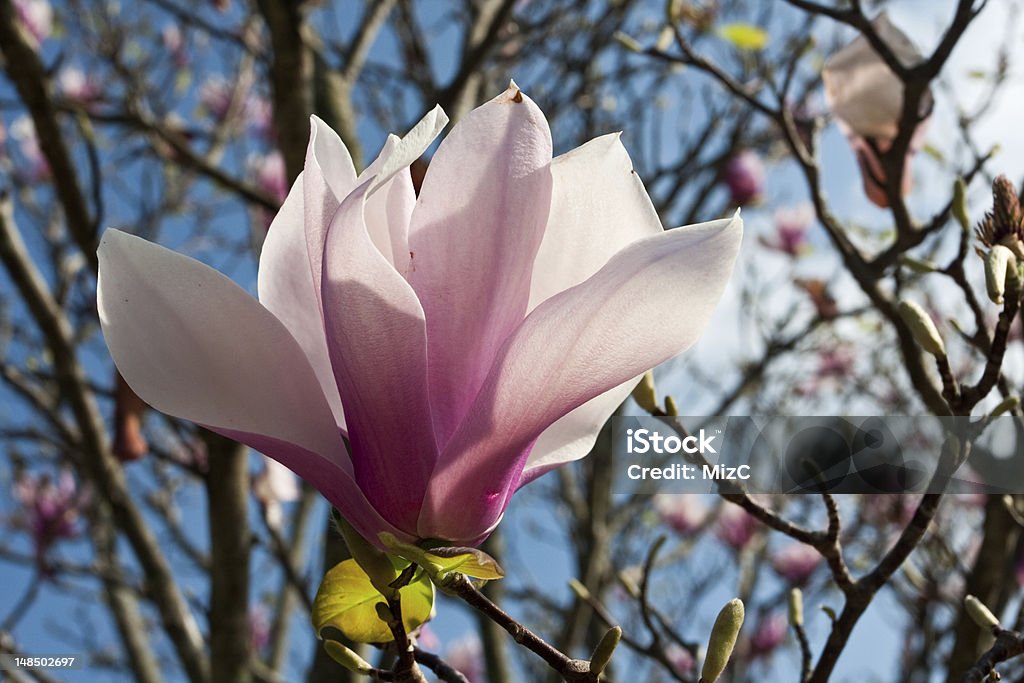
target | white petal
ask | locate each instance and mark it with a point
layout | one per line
(193, 344)
(860, 89)
(598, 206)
(286, 289)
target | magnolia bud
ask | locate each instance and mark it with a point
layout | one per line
(981, 614)
(579, 589)
(918, 265)
(796, 607)
(922, 327)
(1007, 405)
(627, 41)
(722, 640)
(603, 652)
(960, 204)
(670, 406)
(347, 658)
(999, 260)
(644, 393)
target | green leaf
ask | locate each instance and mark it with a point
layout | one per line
(348, 602)
(744, 36)
(934, 153)
(439, 562)
(469, 561)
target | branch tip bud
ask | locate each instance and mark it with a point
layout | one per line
(980, 614)
(923, 328)
(722, 640)
(603, 652)
(796, 607)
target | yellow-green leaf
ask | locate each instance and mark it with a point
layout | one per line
(744, 36)
(347, 601)
(439, 562)
(469, 561)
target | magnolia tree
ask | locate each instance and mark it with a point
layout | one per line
(298, 295)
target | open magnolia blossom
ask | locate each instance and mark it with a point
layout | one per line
(466, 340)
(866, 98)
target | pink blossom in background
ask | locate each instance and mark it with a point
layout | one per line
(683, 513)
(466, 656)
(215, 95)
(734, 526)
(682, 661)
(769, 635)
(174, 42)
(50, 509)
(77, 85)
(35, 168)
(889, 510)
(273, 485)
(36, 16)
(259, 113)
(796, 562)
(744, 176)
(866, 98)
(259, 628)
(467, 340)
(791, 226)
(427, 639)
(270, 174)
(835, 364)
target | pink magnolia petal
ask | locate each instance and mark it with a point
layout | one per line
(650, 302)
(377, 340)
(572, 436)
(389, 210)
(332, 481)
(407, 149)
(286, 289)
(598, 206)
(329, 176)
(860, 89)
(476, 228)
(193, 344)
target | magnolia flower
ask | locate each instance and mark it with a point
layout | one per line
(36, 16)
(174, 42)
(78, 85)
(735, 526)
(683, 513)
(466, 655)
(866, 98)
(796, 562)
(270, 174)
(744, 176)
(466, 340)
(259, 627)
(216, 94)
(791, 226)
(680, 658)
(35, 166)
(770, 633)
(49, 509)
(274, 485)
